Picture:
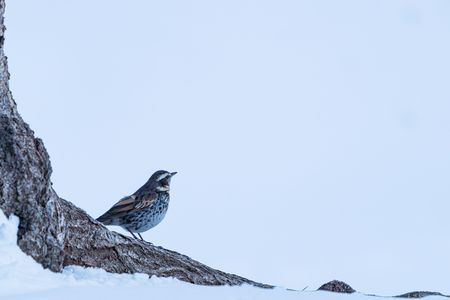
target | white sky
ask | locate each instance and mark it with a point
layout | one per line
(311, 137)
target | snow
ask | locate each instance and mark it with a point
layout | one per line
(22, 278)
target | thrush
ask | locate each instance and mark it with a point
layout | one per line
(145, 208)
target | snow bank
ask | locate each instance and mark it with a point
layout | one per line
(22, 278)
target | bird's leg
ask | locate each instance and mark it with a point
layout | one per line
(133, 234)
(140, 236)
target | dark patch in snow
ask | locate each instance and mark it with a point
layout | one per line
(420, 294)
(337, 287)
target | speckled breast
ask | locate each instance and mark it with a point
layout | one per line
(149, 217)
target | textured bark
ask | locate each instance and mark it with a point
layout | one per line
(25, 187)
(55, 232)
(122, 254)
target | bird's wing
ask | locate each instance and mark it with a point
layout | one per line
(145, 201)
(127, 204)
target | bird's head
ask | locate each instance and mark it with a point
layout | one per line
(161, 179)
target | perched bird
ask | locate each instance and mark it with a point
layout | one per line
(145, 208)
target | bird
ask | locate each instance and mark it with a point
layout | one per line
(145, 208)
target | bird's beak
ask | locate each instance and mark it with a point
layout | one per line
(173, 173)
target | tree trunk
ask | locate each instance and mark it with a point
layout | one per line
(55, 232)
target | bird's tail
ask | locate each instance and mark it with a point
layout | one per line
(105, 219)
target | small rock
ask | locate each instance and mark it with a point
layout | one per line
(337, 287)
(420, 294)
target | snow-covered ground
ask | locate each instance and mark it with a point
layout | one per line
(22, 278)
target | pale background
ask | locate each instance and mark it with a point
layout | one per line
(311, 137)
